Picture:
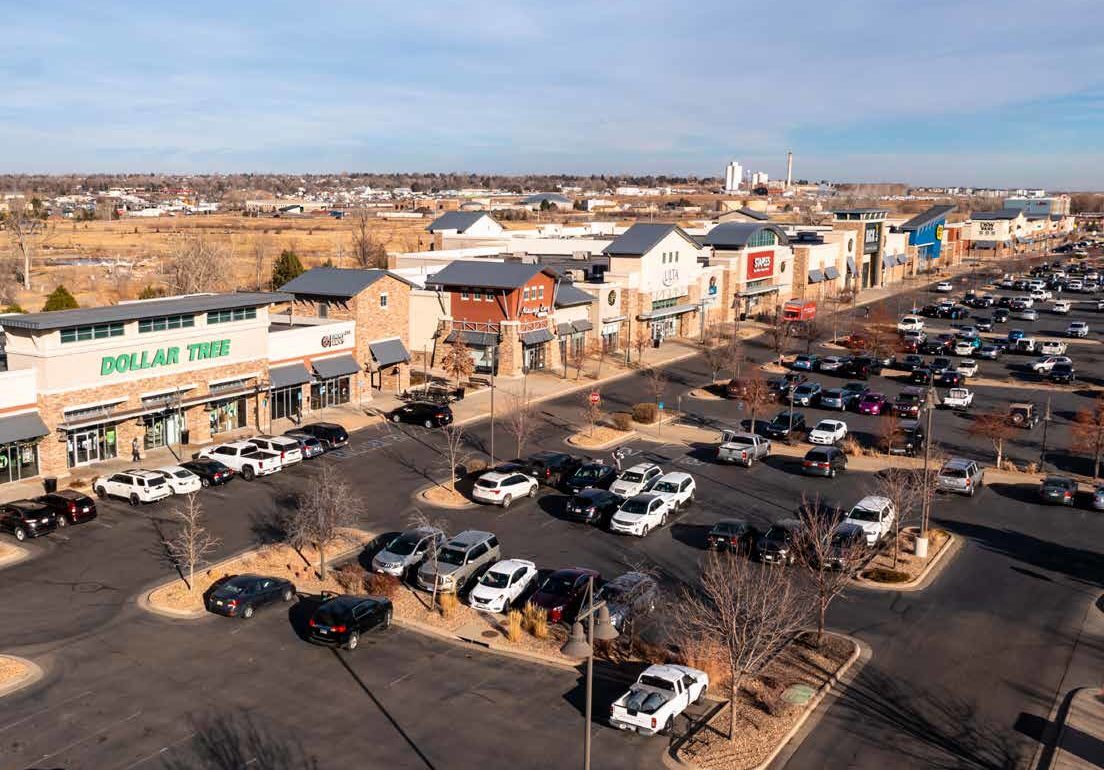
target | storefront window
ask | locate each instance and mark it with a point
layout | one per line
(331, 392)
(535, 357)
(162, 429)
(93, 444)
(228, 415)
(286, 402)
(18, 461)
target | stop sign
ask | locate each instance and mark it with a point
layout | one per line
(595, 397)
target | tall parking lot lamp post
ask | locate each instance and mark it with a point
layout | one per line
(579, 648)
(1046, 424)
(921, 549)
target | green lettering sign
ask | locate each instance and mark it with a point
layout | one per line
(154, 359)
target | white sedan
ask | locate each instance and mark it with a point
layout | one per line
(1077, 329)
(503, 488)
(639, 515)
(944, 287)
(180, 480)
(676, 488)
(1061, 307)
(828, 432)
(502, 584)
(964, 348)
(910, 323)
(967, 367)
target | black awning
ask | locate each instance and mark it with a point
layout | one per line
(815, 276)
(21, 427)
(830, 273)
(536, 337)
(288, 376)
(475, 339)
(388, 352)
(851, 266)
(338, 366)
(582, 326)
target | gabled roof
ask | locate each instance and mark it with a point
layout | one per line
(486, 275)
(456, 220)
(758, 216)
(934, 214)
(642, 237)
(1001, 214)
(569, 295)
(337, 281)
(134, 311)
(735, 235)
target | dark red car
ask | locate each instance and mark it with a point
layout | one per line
(562, 592)
(71, 506)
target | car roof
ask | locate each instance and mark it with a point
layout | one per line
(499, 476)
(957, 462)
(732, 522)
(1058, 480)
(675, 476)
(469, 537)
(26, 503)
(873, 502)
(787, 524)
(509, 565)
(69, 494)
(573, 572)
(594, 492)
(419, 531)
(641, 467)
(171, 468)
(645, 497)
(142, 473)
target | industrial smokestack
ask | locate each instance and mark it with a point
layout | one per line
(789, 169)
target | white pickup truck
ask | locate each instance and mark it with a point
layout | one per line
(958, 398)
(661, 693)
(245, 458)
(742, 448)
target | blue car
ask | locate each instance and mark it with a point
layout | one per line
(805, 363)
(1016, 334)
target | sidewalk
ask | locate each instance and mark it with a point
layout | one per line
(1081, 742)
(1076, 742)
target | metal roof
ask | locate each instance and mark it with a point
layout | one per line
(337, 281)
(456, 220)
(642, 237)
(20, 427)
(389, 352)
(831, 273)
(133, 311)
(756, 215)
(484, 274)
(338, 366)
(816, 276)
(568, 295)
(475, 339)
(287, 376)
(735, 235)
(536, 337)
(1001, 214)
(933, 214)
(582, 326)
(551, 197)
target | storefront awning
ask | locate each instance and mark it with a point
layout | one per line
(816, 276)
(614, 319)
(564, 330)
(536, 337)
(851, 266)
(830, 273)
(582, 326)
(757, 291)
(889, 260)
(21, 427)
(667, 312)
(902, 259)
(475, 339)
(388, 352)
(288, 376)
(338, 366)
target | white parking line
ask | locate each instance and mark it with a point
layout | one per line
(159, 752)
(44, 757)
(43, 711)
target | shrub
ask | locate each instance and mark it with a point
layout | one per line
(849, 446)
(539, 629)
(448, 604)
(351, 577)
(513, 626)
(886, 575)
(535, 620)
(1031, 468)
(381, 585)
(622, 421)
(645, 413)
(768, 696)
(476, 465)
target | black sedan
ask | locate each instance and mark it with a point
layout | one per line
(341, 619)
(70, 506)
(591, 476)
(424, 413)
(593, 506)
(211, 473)
(1058, 490)
(1062, 374)
(241, 595)
(733, 535)
(785, 425)
(332, 435)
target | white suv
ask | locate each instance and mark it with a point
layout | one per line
(137, 486)
(503, 488)
(288, 448)
(677, 489)
(910, 323)
(1077, 329)
(640, 514)
(875, 515)
(637, 479)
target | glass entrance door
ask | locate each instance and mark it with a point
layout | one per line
(84, 447)
(162, 430)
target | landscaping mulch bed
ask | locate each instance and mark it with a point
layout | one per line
(599, 438)
(445, 497)
(762, 718)
(909, 567)
(12, 669)
(279, 560)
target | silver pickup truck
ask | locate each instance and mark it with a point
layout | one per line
(742, 448)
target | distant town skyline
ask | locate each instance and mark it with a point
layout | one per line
(986, 94)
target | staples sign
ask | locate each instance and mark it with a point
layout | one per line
(760, 265)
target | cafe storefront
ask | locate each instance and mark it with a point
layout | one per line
(20, 436)
(332, 383)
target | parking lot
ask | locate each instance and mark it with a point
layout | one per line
(981, 651)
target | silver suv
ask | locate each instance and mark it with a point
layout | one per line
(459, 560)
(959, 475)
(407, 550)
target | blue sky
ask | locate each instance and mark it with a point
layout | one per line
(988, 93)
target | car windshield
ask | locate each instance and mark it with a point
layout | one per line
(908, 398)
(844, 539)
(231, 587)
(582, 501)
(666, 486)
(862, 514)
(635, 506)
(727, 527)
(826, 426)
(494, 579)
(589, 472)
(403, 545)
(183, 474)
(777, 533)
(557, 584)
(332, 616)
(830, 394)
(451, 556)
(632, 476)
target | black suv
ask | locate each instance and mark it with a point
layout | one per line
(863, 367)
(71, 506)
(908, 440)
(592, 475)
(425, 413)
(783, 425)
(776, 545)
(733, 535)
(340, 620)
(27, 518)
(593, 506)
(552, 468)
(332, 435)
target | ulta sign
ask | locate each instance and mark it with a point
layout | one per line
(152, 359)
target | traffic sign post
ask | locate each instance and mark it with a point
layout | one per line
(595, 397)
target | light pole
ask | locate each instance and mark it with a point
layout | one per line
(925, 508)
(1046, 424)
(579, 648)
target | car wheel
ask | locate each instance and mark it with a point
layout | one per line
(353, 642)
(134, 499)
(62, 522)
(247, 612)
(287, 595)
(506, 501)
(533, 490)
(386, 620)
(204, 483)
(394, 418)
(247, 473)
(20, 534)
(666, 729)
(101, 493)
(428, 423)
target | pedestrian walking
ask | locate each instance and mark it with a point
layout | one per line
(134, 456)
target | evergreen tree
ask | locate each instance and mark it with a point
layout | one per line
(60, 299)
(286, 267)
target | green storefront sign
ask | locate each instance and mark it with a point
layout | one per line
(151, 359)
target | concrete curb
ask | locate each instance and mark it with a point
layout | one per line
(419, 497)
(921, 581)
(805, 715)
(18, 554)
(143, 598)
(33, 673)
(452, 638)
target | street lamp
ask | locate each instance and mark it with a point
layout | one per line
(579, 648)
(921, 549)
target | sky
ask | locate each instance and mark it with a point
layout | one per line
(991, 93)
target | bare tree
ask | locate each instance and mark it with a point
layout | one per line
(592, 412)
(904, 487)
(191, 543)
(419, 520)
(811, 331)
(995, 427)
(457, 361)
(28, 230)
(734, 355)
(830, 558)
(715, 348)
(576, 355)
(1087, 433)
(596, 349)
(261, 268)
(640, 343)
(755, 393)
(749, 612)
(454, 446)
(520, 417)
(195, 264)
(367, 251)
(656, 380)
(780, 334)
(889, 430)
(326, 505)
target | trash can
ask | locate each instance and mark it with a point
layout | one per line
(50, 484)
(184, 436)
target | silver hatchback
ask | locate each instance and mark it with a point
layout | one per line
(960, 476)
